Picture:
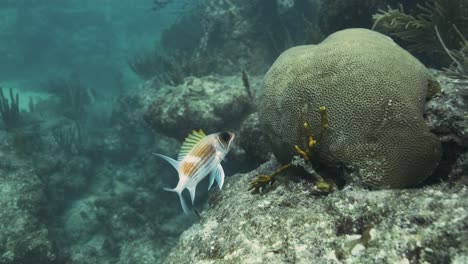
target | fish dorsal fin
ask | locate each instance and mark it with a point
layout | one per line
(190, 141)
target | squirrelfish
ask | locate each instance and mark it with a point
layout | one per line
(199, 156)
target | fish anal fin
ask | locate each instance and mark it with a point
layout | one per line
(192, 190)
(212, 178)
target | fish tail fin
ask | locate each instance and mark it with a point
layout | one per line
(182, 200)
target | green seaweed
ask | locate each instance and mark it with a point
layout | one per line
(418, 30)
(459, 66)
(69, 138)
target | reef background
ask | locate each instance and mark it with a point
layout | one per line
(92, 88)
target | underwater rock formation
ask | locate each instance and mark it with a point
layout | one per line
(210, 103)
(252, 139)
(292, 224)
(447, 112)
(375, 94)
(24, 237)
(447, 117)
(223, 36)
(104, 208)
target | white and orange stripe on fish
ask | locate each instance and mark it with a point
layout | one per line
(199, 156)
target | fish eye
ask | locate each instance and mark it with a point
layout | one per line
(225, 136)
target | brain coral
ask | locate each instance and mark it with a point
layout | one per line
(374, 92)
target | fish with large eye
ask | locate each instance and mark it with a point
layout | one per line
(199, 156)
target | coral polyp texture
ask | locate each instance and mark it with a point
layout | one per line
(374, 92)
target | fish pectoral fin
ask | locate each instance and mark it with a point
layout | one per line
(171, 161)
(219, 175)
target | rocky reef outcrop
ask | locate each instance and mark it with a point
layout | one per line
(291, 221)
(24, 237)
(210, 103)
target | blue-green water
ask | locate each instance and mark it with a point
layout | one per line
(93, 40)
(91, 89)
